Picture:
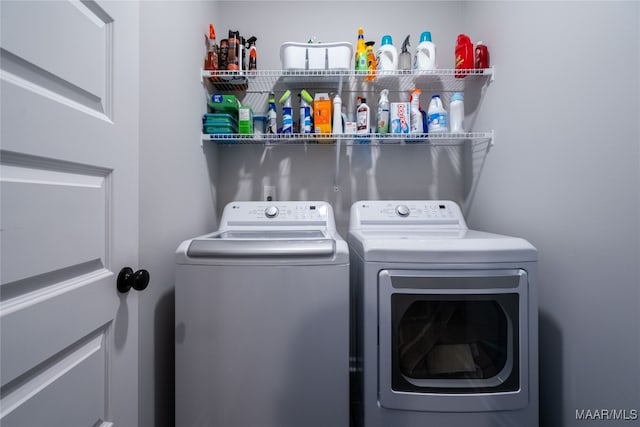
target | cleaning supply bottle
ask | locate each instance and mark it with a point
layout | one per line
(387, 55)
(383, 112)
(416, 115)
(337, 114)
(361, 57)
(305, 111)
(363, 117)
(371, 61)
(211, 60)
(287, 112)
(481, 58)
(425, 58)
(272, 115)
(404, 59)
(437, 116)
(464, 55)
(456, 112)
(253, 53)
(233, 62)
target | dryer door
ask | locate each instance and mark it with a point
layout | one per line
(453, 340)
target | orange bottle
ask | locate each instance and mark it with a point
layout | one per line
(372, 62)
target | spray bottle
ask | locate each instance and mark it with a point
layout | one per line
(272, 115)
(287, 112)
(305, 111)
(211, 60)
(416, 115)
(361, 56)
(404, 59)
(383, 112)
(253, 53)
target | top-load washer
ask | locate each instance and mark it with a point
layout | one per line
(262, 320)
(445, 319)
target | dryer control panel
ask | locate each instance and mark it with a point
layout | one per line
(437, 213)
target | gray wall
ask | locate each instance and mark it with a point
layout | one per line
(175, 190)
(565, 174)
(554, 176)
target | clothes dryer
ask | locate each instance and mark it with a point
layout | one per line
(445, 319)
(262, 320)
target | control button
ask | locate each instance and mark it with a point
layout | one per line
(402, 210)
(271, 212)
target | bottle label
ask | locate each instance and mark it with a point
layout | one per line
(438, 122)
(383, 120)
(362, 120)
(287, 120)
(305, 113)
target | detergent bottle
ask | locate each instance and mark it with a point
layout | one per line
(361, 56)
(287, 112)
(387, 55)
(404, 59)
(425, 58)
(437, 116)
(464, 55)
(481, 58)
(371, 61)
(416, 114)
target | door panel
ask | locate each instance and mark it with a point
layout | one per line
(68, 183)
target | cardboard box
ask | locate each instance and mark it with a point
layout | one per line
(322, 113)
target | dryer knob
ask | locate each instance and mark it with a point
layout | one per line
(271, 212)
(402, 210)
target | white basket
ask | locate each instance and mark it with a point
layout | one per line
(316, 56)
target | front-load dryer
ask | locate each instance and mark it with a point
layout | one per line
(262, 320)
(445, 323)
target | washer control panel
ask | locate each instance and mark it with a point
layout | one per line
(265, 213)
(410, 212)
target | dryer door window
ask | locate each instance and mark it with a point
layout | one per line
(447, 337)
(454, 343)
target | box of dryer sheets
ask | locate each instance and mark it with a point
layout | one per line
(399, 117)
(322, 113)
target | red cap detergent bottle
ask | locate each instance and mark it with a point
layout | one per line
(464, 55)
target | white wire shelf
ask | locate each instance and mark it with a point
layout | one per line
(264, 81)
(328, 139)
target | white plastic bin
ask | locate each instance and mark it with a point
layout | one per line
(316, 56)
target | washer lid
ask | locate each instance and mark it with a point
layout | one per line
(265, 244)
(453, 246)
(265, 247)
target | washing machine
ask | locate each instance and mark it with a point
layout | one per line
(262, 320)
(445, 323)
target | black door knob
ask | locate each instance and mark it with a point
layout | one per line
(127, 279)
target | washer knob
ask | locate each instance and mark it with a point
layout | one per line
(271, 212)
(403, 210)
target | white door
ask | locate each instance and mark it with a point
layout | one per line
(69, 213)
